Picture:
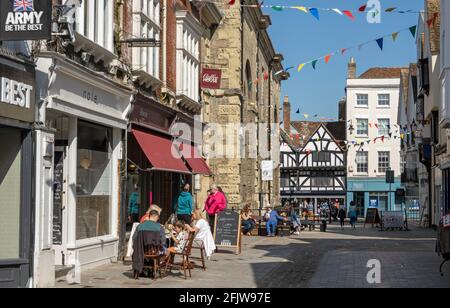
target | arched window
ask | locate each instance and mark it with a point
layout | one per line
(248, 91)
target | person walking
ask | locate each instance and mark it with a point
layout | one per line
(214, 204)
(342, 215)
(185, 205)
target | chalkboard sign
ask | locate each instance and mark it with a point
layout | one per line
(372, 217)
(58, 178)
(227, 230)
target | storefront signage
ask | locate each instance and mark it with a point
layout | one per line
(373, 203)
(25, 20)
(211, 78)
(17, 93)
(227, 230)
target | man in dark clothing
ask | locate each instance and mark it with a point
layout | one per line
(152, 225)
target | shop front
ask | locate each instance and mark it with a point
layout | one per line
(17, 115)
(373, 193)
(88, 114)
(158, 167)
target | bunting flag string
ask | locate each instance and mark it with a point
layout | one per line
(315, 11)
(379, 41)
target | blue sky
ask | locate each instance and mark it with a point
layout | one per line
(301, 38)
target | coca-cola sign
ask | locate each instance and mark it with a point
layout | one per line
(211, 78)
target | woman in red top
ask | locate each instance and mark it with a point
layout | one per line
(215, 204)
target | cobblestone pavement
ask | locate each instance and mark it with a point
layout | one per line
(313, 259)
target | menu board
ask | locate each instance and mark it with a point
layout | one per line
(227, 229)
(58, 178)
(372, 216)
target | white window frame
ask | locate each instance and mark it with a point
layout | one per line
(381, 101)
(147, 24)
(189, 33)
(359, 99)
(362, 167)
(383, 130)
(383, 164)
(95, 20)
(357, 127)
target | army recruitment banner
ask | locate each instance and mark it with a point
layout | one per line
(22, 20)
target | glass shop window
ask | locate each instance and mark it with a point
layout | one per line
(94, 180)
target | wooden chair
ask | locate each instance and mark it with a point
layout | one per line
(185, 263)
(198, 244)
(152, 260)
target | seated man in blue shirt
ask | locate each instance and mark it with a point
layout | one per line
(272, 221)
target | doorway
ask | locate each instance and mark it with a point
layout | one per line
(360, 204)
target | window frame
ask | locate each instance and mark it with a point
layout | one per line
(388, 105)
(362, 168)
(382, 167)
(358, 100)
(366, 130)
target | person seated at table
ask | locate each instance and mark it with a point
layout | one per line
(202, 233)
(152, 207)
(149, 234)
(152, 224)
(248, 222)
(272, 221)
(179, 238)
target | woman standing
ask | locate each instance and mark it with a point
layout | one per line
(215, 204)
(185, 205)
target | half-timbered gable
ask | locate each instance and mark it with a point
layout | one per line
(318, 167)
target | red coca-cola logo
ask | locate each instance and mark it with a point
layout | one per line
(211, 78)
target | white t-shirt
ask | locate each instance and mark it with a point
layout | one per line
(203, 229)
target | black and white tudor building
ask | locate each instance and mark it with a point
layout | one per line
(313, 163)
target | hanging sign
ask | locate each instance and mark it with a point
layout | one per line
(211, 78)
(267, 170)
(22, 20)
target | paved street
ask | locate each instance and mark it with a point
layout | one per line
(333, 259)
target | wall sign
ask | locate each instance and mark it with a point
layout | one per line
(211, 78)
(25, 20)
(17, 93)
(267, 170)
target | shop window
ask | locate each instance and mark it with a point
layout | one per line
(10, 192)
(94, 180)
(382, 200)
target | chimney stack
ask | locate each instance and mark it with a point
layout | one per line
(287, 115)
(351, 72)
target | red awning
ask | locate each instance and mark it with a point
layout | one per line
(195, 161)
(158, 150)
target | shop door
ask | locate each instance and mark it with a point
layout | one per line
(360, 204)
(59, 204)
(15, 207)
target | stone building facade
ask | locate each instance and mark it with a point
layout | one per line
(249, 94)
